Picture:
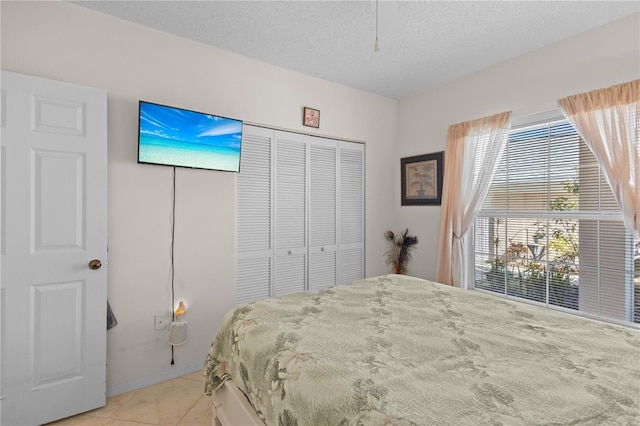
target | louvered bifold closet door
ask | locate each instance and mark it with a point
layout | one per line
(254, 213)
(322, 213)
(290, 236)
(351, 216)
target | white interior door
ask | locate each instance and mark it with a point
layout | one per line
(53, 173)
(254, 256)
(351, 216)
(323, 222)
(290, 239)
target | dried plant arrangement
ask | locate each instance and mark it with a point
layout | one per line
(399, 251)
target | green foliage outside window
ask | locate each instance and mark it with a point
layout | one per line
(525, 271)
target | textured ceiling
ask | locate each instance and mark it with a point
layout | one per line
(422, 43)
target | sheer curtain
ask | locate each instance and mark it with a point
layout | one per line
(473, 152)
(609, 122)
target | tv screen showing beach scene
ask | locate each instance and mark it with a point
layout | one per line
(178, 137)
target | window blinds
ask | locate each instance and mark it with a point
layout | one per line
(550, 230)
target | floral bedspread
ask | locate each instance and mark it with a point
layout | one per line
(396, 350)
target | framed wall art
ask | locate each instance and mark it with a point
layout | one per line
(311, 117)
(421, 178)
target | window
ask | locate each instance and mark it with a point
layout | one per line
(551, 232)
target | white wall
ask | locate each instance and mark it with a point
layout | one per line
(69, 43)
(596, 59)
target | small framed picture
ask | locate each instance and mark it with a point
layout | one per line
(421, 178)
(311, 117)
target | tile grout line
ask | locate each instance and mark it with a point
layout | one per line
(189, 410)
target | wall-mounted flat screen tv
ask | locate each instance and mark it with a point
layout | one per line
(178, 137)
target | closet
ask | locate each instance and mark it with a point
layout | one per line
(300, 213)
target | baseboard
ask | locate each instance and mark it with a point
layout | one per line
(152, 380)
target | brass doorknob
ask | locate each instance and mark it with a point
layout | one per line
(95, 264)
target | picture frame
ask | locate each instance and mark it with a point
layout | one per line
(421, 179)
(311, 117)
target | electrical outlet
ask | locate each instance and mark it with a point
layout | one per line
(161, 321)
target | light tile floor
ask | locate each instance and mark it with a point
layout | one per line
(177, 402)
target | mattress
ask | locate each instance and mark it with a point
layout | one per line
(398, 350)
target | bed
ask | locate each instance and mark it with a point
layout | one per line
(397, 350)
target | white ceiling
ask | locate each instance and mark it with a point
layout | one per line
(422, 43)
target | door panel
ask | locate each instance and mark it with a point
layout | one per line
(290, 273)
(254, 209)
(351, 217)
(290, 213)
(323, 221)
(62, 301)
(322, 269)
(58, 201)
(253, 278)
(54, 205)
